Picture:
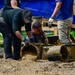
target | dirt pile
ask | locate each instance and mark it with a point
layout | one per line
(30, 67)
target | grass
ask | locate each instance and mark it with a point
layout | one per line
(72, 33)
(1, 37)
(1, 40)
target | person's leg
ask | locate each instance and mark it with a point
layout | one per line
(7, 40)
(17, 47)
(7, 46)
(64, 27)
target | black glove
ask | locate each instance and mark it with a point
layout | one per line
(26, 41)
(32, 40)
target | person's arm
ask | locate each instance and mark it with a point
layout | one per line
(57, 8)
(73, 8)
(16, 26)
(18, 34)
(73, 11)
(46, 39)
(44, 35)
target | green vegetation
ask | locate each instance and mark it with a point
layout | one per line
(1, 37)
(1, 40)
(1, 45)
(72, 33)
(24, 34)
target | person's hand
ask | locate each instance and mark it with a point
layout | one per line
(32, 40)
(46, 41)
(28, 41)
(25, 41)
(50, 21)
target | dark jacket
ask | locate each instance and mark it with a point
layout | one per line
(13, 18)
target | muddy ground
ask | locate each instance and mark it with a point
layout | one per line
(27, 66)
(30, 67)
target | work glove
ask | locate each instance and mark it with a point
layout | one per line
(25, 41)
(28, 41)
(46, 41)
(32, 40)
(50, 22)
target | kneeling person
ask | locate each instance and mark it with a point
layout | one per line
(38, 33)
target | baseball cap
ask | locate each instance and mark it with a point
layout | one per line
(7, 2)
(27, 15)
(7, 5)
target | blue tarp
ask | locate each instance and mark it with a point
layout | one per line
(43, 8)
(74, 19)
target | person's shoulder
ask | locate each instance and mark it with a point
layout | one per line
(18, 9)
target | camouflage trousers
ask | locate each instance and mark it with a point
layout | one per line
(64, 27)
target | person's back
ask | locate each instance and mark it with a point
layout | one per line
(66, 9)
(13, 17)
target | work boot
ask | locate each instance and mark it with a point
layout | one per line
(17, 58)
(7, 56)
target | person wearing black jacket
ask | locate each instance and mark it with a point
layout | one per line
(5, 29)
(38, 33)
(15, 19)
